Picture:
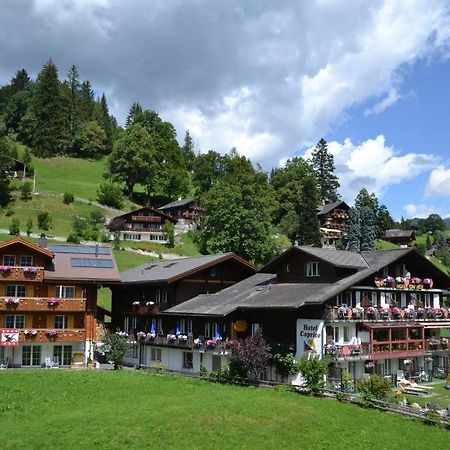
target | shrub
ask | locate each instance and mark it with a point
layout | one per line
(283, 360)
(313, 371)
(68, 198)
(115, 346)
(73, 238)
(14, 227)
(169, 232)
(97, 219)
(29, 227)
(9, 212)
(376, 387)
(44, 221)
(26, 190)
(110, 194)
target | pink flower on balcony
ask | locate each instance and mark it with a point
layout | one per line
(211, 343)
(12, 301)
(416, 280)
(5, 270)
(51, 333)
(53, 301)
(396, 311)
(30, 333)
(30, 270)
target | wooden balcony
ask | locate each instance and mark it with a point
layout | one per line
(146, 219)
(42, 336)
(43, 304)
(188, 344)
(398, 349)
(18, 273)
(437, 345)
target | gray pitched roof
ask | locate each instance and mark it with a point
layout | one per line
(177, 203)
(325, 209)
(263, 291)
(164, 271)
(399, 233)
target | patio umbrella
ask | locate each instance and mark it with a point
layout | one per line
(177, 332)
(218, 336)
(152, 328)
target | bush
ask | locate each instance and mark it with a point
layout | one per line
(283, 360)
(68, 198)
(115, 346)
(313, 371)
(376, 387)
(110, 194)
(14, 228)
(44, 221)
(26, 190)
(29, 227)
(73, 238)
(169, 232)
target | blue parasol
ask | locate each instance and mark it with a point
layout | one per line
(152, 328)
(218, 336)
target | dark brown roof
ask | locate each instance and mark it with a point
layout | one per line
(177, 203)
(325, 209)
(35, 247)
(148, 209)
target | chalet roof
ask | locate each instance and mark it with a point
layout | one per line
(83, 263)
(30, 245)
(262, 290)
(325, 209)
(399, 233)
(177, 203)
(148, 209)
(338, 258)
(170, 270)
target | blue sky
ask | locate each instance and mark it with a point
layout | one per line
(269, 78)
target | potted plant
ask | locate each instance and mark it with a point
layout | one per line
(357, 313)
(140, 336)
(428, 283)
(182, 338)
(420, 312)
(197, 342)
(53, 301)
(389, 281)
(355, 349)
(5, 270)
(211, 343)
(30, 333)
(330, 350)
(30, 271)
(343, 312)
(371, 313)
(12, 301)
(51, 333)
(415, 280)
(171, 338)
(410, 313)
(384, 312)
(396, 312)
(150, 336)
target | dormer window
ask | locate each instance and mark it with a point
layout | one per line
(288, 268)
(312, 269)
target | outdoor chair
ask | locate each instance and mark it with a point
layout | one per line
(5, 363)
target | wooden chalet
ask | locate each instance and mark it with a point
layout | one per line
(404, 238)
(379, 311)
(187, 211)
(143, 224)
(333, 222)
(48, 301)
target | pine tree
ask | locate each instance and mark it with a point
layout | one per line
(86, 102)
(368, 231)
(354, 231)
(134, 112)
(188, 151)
(308, 225)
(49, 135)
(73, 96)
(323, 165)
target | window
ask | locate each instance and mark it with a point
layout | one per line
(207, 329)
(2, 354)
(288, 268)
(129, 324)
(160, 327)
(188, 360)
(65, 291)
(189, 327)
(15, 321)
(256, 327)
(63, 353)
(61, 322)
(9, 260)
(427, 300)
(26, 261)
(181, 325)
(312, 269)
(31, 355)
(155, 354)
(134, 351)
(346, 334)
(161, 295)
(16, 290)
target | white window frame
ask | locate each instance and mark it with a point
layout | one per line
(312, 269)
(33, 348)
(159, 328)
(63, 320)
(129, 323)
(182, 326)
(16, 289)
(15, 320)
(208, 329)
(161, 295)
(155, 354)
(188, 360)
(63, 354)
(9, 256)
(189, 327)
(255, 327)
(26, 264)
(134, 351)
(62, 291)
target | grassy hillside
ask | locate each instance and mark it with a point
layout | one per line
(133, 409)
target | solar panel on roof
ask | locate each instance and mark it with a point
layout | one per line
(81, 250)
(92, 262)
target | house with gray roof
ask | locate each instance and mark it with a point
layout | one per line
(333, 222)
(368, 311)
(404, 238)
(186, 211)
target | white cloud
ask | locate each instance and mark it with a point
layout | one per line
(374, 165)
(383, 104)
(422, 210)
(438, 183)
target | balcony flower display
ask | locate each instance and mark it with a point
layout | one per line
(30, 333)
(428, 283)
(444, 342)
(416, 280)
(410, 313)
(357, 313)
(369, 364)
(384, 312)
(150, 336)
(355, 349)
(379, 282)
(399, 280)
(51, 333)
(122, 334)
(182, 338)
(197, 342)
(343, 312)
(330, 350)
(420, 312)
(5, 270)
(12, 301)
(141, 335)
(171, 337)
(434, 342)
(389, 281)
(30, 271)
(435, 313)
(396, 312)
(53, 301)
(371, 312)
(136, 303)
(211, 343)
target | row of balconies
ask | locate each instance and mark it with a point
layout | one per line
(385, 314)
(50, 335)
(19, 273)
(42, 304)
(388, 349)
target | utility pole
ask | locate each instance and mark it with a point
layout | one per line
(34, 183)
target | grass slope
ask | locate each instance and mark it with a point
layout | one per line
(115, 410)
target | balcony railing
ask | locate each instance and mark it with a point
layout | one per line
(19, 273)
(347, 351)
(187, 342)
(42, 304)
(437, 344)
(386, 314)
(38, 335)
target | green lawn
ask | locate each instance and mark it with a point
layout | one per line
(130, 409)
(438, 395)
(385, 245)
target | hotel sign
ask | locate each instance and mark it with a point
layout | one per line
(310, 337)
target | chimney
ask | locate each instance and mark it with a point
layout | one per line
(43, 241)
